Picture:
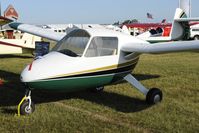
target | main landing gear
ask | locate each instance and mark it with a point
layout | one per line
(153, 95)
(26, 106)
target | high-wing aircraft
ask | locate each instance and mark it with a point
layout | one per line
(163, 32)
(13, 42)
(137, 28)
(20, 45)
(92, 58)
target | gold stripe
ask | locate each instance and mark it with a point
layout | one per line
(134, 61)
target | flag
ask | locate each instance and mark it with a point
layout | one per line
(149, 16)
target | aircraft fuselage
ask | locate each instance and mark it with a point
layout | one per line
(57, 71)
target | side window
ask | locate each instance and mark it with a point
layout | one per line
(102, 46)
(195, 29)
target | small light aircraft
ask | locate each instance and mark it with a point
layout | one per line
(21, 45)
(139, 28)
(162, 32)
(92, 58)
(14, 42)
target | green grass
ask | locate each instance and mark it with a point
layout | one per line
(120, 108)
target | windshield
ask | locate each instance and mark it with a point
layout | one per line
(73, 44)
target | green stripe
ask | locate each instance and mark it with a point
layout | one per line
(72, 84)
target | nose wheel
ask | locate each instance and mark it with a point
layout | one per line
(26, 106)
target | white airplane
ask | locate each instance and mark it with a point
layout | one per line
(92, 58)
(26, 44)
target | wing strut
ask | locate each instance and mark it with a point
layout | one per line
(133, 81)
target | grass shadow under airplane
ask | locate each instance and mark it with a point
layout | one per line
(12, 92)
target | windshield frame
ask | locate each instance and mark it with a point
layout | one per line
(85, 39)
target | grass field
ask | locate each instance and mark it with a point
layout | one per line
(120, 108)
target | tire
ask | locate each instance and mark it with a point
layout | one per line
(98, 89)
(24, 108)
(196, 37)
(154, 96)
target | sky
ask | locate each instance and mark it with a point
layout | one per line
(94, 11)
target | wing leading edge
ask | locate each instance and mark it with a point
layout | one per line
(38, 31)
(158, 48)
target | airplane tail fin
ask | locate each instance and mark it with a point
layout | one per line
(11, 13)
(180, 27)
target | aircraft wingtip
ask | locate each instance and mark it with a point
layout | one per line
(15, 25)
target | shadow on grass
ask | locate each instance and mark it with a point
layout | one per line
(12, 92)
(9, 111)
(141, 77)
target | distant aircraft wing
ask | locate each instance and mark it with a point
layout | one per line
(38, 31)
(158, 48)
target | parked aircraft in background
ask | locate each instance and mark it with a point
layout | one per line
(19, 44)
(164, 32)
(194, 32)
(12, 41)
(138, 28)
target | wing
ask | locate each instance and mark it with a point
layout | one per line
(158, 48)
(38, 31)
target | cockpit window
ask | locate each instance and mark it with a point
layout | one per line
(102, 46)
(73, 44)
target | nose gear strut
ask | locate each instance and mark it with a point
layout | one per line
(26, 106)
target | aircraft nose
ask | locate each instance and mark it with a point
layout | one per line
(26, 73)
(33, 71)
